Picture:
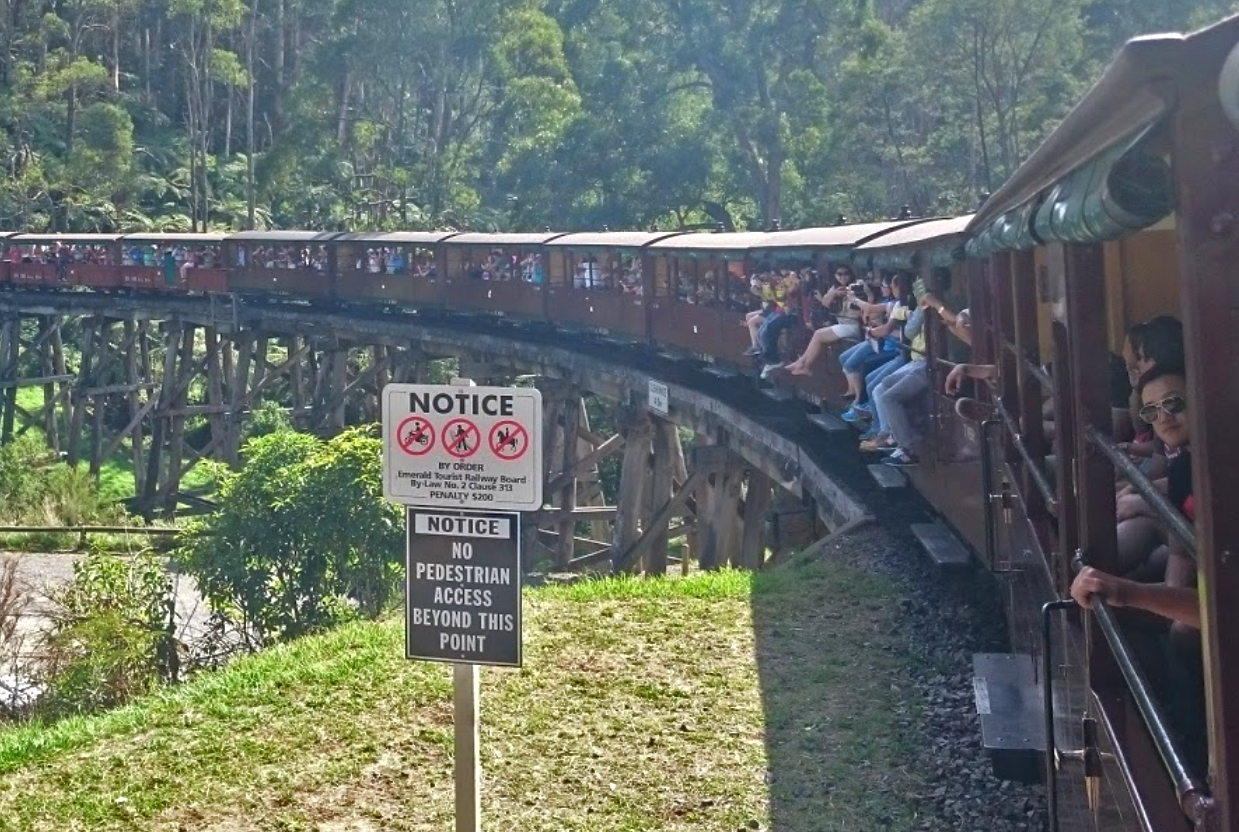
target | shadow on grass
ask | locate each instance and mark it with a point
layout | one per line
(834, 700)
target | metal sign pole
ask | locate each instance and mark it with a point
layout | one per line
(466, 718)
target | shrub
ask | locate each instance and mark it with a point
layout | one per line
(110, 637)
(302, 539)
(37, 489)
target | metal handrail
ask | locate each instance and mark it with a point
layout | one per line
(1048, 493)
(1034, 369)
(1194, 797)
(1144, 486)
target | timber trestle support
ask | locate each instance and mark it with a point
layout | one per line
(162, 390)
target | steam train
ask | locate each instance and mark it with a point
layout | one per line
(1129, 210)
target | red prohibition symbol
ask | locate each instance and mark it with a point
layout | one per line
(461, 438)
(416, 436)
(509, 440)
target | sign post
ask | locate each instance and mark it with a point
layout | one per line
(465, 460)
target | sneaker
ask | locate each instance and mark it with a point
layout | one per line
(753, 351)
(901, 459)
(856, 413)
(973, 410)
(770, 369)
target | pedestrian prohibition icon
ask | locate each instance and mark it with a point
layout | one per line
(509, 440)
(461, 438)
(416, 436)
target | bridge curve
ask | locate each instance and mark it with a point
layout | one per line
(774, 440)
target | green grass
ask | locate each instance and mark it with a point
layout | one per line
(717, 701)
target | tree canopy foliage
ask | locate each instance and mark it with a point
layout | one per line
(489, 114)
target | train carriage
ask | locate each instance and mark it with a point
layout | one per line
(401, 267)
(59, 260)
(172, 262)
(1125, 213)
(699, 289)
(599, 280)
(497, 274)
(821, 249)
(290, 263)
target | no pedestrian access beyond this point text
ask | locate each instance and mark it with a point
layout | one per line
(463, 447)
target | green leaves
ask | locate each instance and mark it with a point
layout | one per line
(303, 537)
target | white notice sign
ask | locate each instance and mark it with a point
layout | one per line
(463, 447)
(660, 398)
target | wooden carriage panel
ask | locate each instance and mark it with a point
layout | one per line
(95, 275)
(507, 297)
(33, 274)
(689, 326)
(603, 310)
(199, 279)
(307, 283)
(405, 288)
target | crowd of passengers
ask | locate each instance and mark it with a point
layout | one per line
(287, 256)
(394, 260)
(1155, 576)
(878, 326)
(59, 253)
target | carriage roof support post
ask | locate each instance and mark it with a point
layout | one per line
(1205, 149)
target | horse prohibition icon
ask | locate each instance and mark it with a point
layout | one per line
(509, 441)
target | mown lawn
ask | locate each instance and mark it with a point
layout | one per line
(718, 701)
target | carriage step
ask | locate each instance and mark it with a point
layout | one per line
(943, 548)
(672, 356)
(719, 371)
(887, 477)
(830, 423)
(1012, 715)
(779, 394)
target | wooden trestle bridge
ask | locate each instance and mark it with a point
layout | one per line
(146, 367)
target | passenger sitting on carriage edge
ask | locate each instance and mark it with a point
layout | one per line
(846, 323)
(880, 347)
(785, 316)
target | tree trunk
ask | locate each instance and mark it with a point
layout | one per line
(250, 196)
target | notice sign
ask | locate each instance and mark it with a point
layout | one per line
(463, 447)
(463, 587)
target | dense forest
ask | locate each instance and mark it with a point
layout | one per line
(511, 114)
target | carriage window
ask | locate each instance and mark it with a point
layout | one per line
(282, 256)
(66, 253)
(183, 256)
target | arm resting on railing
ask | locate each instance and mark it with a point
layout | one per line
(1180, 604)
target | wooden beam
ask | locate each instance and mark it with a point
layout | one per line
(634, 471)
(599, 453)
(35, 382)
(658, 524)
(758, 495)
(564, 550)
(662, 482)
